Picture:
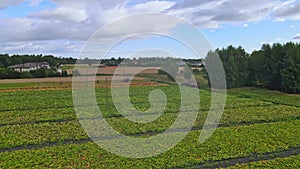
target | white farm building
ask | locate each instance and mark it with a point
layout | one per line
(26, 67)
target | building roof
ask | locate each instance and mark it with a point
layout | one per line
(29, 65)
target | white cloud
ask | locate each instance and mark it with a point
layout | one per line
(72, 23)
(77, 20)
(7, 3)
(92, 3)
(42, 47)
(212, 14)
(62, 14)
(297, 36)
(121, 11)
(290, 11)
(34, 2)
(245, 25)
(28, 29)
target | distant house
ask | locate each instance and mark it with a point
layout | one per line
(26, 67)
(198, 64)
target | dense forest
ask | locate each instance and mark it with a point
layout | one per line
(7, 60)
(275, 67)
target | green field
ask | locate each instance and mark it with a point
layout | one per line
(40, 129)
(287, 162)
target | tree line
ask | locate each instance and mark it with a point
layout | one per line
(275, 67)
(9, 60)
(39, 73)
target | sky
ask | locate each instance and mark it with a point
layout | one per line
(63, 27)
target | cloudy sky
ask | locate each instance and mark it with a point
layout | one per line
(62, 27)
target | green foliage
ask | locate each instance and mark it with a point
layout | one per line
(39, 73)
(43, 117)
(26, 75)
(196, 71)
(187, 73)
(235, 63)
(290, 76)
(224, 144)
(277, 67)
(170, 69)
(7, 60)
(287, 162)
(64, 73)
(161, 72)
(3, 73)
(274, 67)
(9, 74)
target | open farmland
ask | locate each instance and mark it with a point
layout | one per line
(112, 70)
(58, 79)
(40, 129)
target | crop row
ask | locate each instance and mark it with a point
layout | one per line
(287, 162)
(40, 100)
(141, 92)
(33, 116)
(18, 135)
(266, 95)
(231, 116)
(31, 134)
(225, 143)
(237, 115)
